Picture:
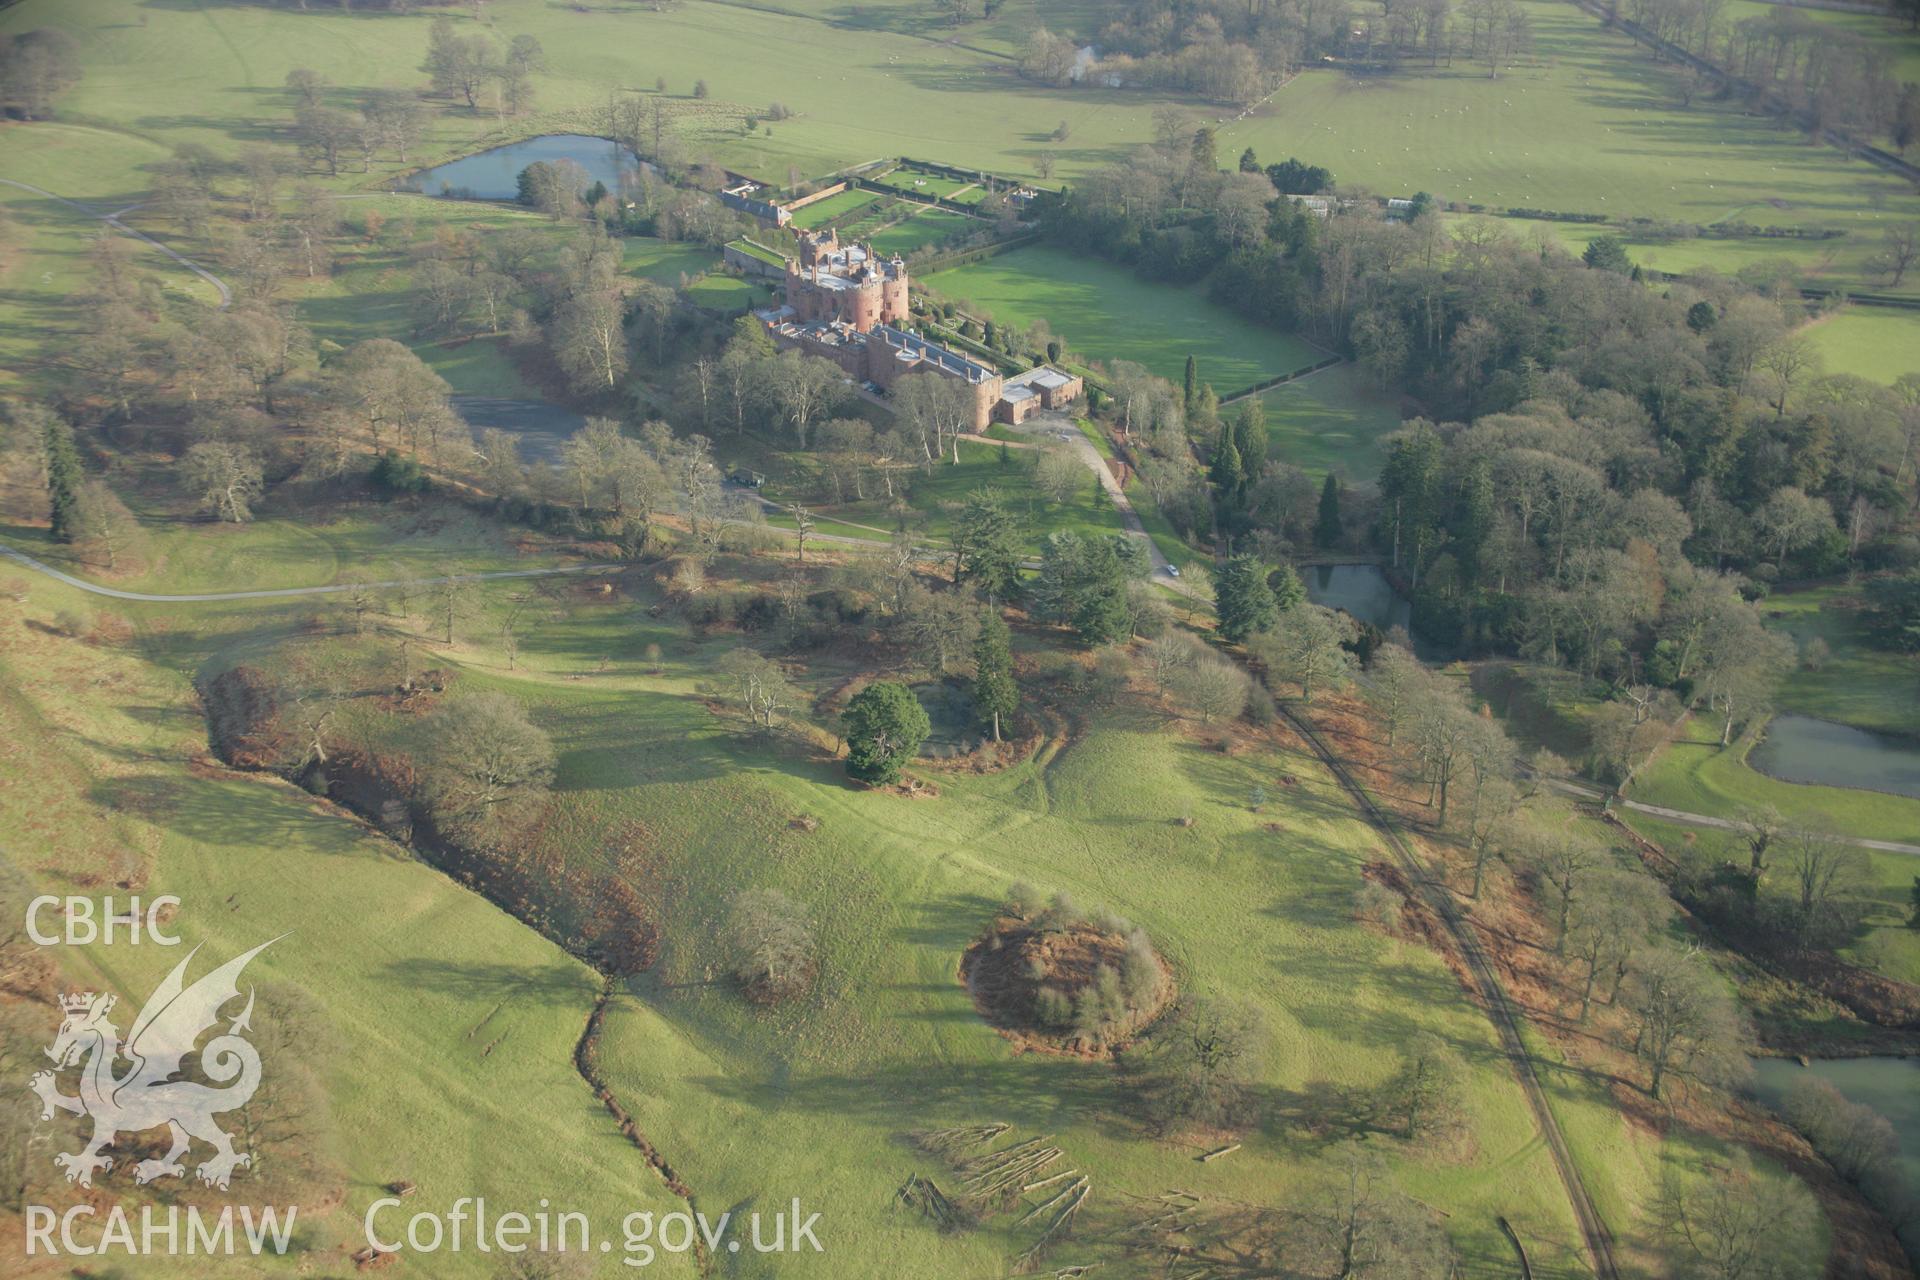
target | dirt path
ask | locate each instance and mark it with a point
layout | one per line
(1492, 995)
(113, 220)
(1704, 820)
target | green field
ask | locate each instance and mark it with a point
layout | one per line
(892, 1043)
(1590, 125)
(729, 295)
(935, 496)
(1845, 262)
(292, 548)
(1105, 312)
(819, 1093)
(478, 367)
(1876, 343)
(663, 261)
(82, 161)
(891, 224)
(812, 1098)
(1333, 420)
(834, 206)
(754, 249)
(439, 1030)
(206, 76)
(914, 181)
(927, 226)
(221, 71)
(43, 264)
(1892, 34)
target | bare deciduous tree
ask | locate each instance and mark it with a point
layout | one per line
(483, 764)
(758, 682)
(227, 478)
(771, 943)
(1362, 1229)
(1683, 1020)
(1736, 1224)
(1829, 881)
(1306, 648)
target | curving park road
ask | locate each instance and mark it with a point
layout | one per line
(280, 593)
(1077, 441)
(1705, 820)
(113, 220)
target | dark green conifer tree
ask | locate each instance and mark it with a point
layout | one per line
(995, 695)
(1327, 529)
(1243, 600)
(65, 477)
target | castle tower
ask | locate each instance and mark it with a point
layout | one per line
(817, 245)
(894, 292)
(831, 283)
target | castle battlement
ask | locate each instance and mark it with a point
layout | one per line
(834, 284)
(846, 305)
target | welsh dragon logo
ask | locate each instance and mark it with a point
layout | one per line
(148, 1094)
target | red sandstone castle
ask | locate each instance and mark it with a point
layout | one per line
(845, 305)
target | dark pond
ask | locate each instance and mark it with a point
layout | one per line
(495, 174)
(542, 428)
(1361, 589)
(956, 725)
(1805, 749)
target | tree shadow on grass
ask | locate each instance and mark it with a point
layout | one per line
(1229, 779)
(948, 923)
(502, 982)
(237, 813)
(1030, 1091)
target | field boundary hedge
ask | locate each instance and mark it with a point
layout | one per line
(1268, 384)
(961, 257)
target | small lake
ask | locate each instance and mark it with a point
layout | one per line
(1890, 1086)
(495, 174)
(542, 428)
(1806, 749)
(1361, 589)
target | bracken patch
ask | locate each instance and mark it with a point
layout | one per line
(1026, 976)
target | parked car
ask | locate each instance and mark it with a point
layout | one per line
(1173, 571)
